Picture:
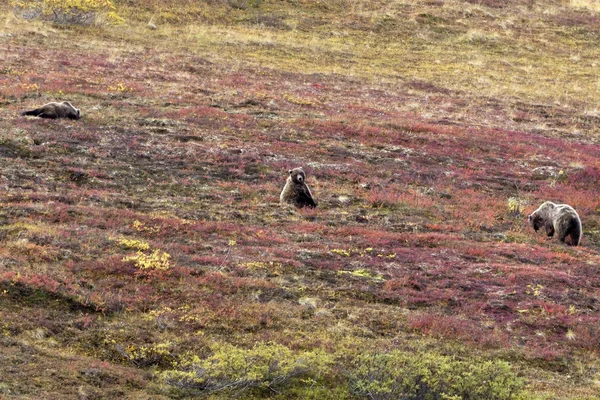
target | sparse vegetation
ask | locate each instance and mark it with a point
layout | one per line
(81, 12)
(143, 252)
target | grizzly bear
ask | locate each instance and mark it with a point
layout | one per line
(55, 110)
(296, 190)
(561, 219)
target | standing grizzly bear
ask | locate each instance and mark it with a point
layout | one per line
(559, 218)
(296, 191)
(55, 110)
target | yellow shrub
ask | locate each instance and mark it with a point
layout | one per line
(158, 260)
(515, 206)
(120, 87)
(134, 244)
(341, 252)
(141, 227)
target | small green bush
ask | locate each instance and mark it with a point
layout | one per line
(399, 375)
(265, 367)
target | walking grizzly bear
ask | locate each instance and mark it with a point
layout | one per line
(55, 110)
(561, 219)
(296, 190)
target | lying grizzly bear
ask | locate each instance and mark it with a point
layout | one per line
(55, 110)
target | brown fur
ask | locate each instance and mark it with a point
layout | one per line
(55, 110)
(296, 190)
(561, 219)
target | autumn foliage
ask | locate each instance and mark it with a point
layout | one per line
(144, 252)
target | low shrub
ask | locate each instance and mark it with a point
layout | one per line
(264, 368)
(157, 260)
(400, 375)
(274, 368)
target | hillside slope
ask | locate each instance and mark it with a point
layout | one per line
(143, 252)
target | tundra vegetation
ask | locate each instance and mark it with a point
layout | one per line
(143, 252)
